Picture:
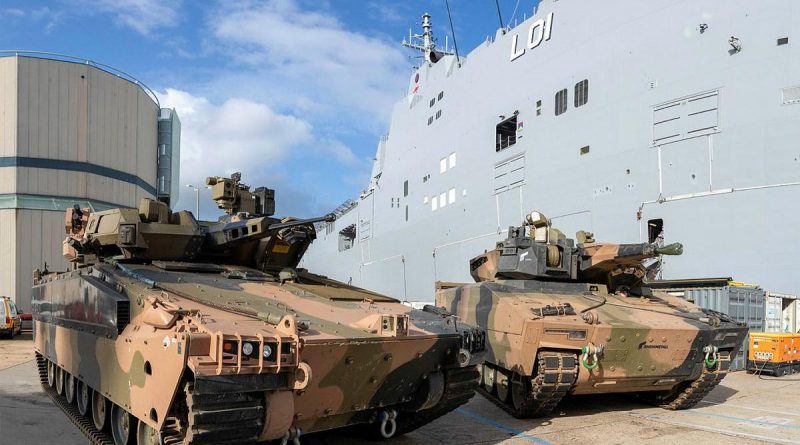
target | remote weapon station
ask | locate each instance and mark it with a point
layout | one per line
(177, 331)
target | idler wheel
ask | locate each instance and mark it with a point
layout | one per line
(83, 395)
(60, 381)
(99, 410)
(487, 378)
(69, 388)
(51, 374)
(121, 425)
(146, 435)
(502, 381)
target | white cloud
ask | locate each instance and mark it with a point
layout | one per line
(143, 16)
(12, 12)
(238, 135)
(249, 137)
(308, 53)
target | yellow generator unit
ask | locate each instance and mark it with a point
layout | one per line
(774, 353)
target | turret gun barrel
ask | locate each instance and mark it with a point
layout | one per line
(670, 249)
(330, 217)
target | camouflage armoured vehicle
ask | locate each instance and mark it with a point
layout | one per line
(170, 330)
(565, 318)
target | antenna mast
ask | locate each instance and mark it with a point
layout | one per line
(425, 42)
(497, 3)
(452, 31)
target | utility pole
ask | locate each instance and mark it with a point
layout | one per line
(197, 200)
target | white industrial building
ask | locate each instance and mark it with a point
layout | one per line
(72, 132)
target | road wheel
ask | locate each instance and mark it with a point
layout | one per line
(59, 381)
(502, 381)
(778, 371)
(122, 426)
(99, 410)
(84, 397)
(69, 388)
(487, 378)
(51, 374)
(146, 435)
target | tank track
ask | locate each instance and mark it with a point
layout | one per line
(216, 418)
(84, 424)
(695, 391)
(460, 385)
(555, 374)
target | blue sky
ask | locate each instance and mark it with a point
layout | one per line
(293, 93)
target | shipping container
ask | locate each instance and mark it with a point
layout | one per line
(772, 314)
(745, 303)
(781, 313)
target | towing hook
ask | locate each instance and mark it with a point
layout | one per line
(464, 357)
(712, 356)
(594, 352)
(292, 434)
(388, 423)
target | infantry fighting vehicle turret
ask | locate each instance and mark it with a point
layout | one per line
(578, 318)
(177, 331)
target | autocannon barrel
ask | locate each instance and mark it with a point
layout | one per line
(330, 217)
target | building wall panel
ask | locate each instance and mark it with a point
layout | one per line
(8, 180)
(8, 106)
(8, 242)
(45, 232)
(64, 125)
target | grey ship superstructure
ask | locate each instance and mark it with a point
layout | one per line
(636, 120)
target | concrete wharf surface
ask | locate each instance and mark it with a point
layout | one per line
(743, 409)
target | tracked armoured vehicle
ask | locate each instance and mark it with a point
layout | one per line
(565, 318)
(169, 330)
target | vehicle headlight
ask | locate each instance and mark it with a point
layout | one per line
(267, 351)
(247, 348)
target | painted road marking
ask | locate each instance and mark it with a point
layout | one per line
(502, 427)
(758, 422)
(752, 409)
(727, 432)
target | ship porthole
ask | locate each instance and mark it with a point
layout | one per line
(148, 369)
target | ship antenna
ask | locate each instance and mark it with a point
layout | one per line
(499, 16)
(452, 31)
(425, 42)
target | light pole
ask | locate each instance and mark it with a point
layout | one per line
(197, 200)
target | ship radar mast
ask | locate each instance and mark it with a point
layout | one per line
(425, 43)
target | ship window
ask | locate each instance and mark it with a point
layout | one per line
(783, 41)
(442, 165)
(406, 212)
(438, 114)
(451, 160)
(346, 237)
(442, 199)
(430, 120)
(425, 200)
(581, 93)
(561, 102)
(405, 188)
(655, 230)
(538, 107)
(506, 133)
(451, 196)
(585, 150)
(434, 203)
(433, 101)
(441, 95)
